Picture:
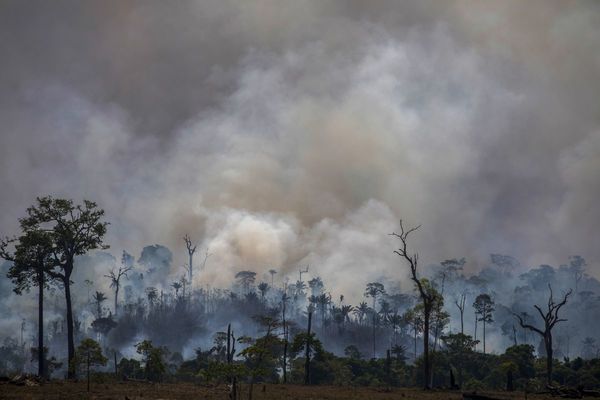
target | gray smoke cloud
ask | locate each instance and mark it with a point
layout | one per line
(282, 134)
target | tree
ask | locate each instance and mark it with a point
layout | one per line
(263, 287)
(308, 342)
(191, 249)
(152, 295)
(550, 318)
(246, 279)
(177, 286)
(32, 261)
(262, 352)
(99, 298)
(414, 318)
(460, 304)
(74, 230)
(115, 277)
(361, 311)
(426, 292)
(90, 354)
(154, 364)
(374, 290)
(272, 272)
(458, 347)
(577, 266)
(394, 320)
(484, 306)
(345, 310)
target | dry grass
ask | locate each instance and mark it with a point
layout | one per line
(137, 391)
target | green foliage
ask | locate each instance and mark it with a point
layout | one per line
(154, 364)
(130, 368)
(32, 260)
(261, 355)
(89, 354)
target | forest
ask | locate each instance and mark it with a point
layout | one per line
(506, 327)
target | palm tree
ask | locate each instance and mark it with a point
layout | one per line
(316, 286)
(484, 306)
(323, 301)
(345, 310)
(263, 287)
(177, 287)
(374, 290)
(246, 279)
(384, 309)
(394, 320)
(99, 298)
(272, 272)
(361, 311)
(152, 295)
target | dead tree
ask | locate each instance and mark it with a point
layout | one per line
(303, 271)
(230, 355)
(550, 318)
(428, 297)
(191, 249)
(284, 300)
(460, 303)
(115, 278)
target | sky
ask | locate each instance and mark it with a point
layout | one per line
(280, 134)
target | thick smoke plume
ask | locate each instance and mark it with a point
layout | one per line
(285, 134)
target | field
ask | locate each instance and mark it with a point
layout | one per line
(137, 391)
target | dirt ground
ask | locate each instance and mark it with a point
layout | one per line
(137, 391)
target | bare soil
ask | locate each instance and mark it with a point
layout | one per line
(133, 390)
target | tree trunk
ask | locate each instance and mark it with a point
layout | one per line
(307, 355)
(549, 355)
(426, 350)
(285, 346)
(70, 337)
(191, 266)
(415, 343)
(462, 322)
(116, 298)
(41, 355)
(374, 344)
(88, 371)
(483, 335)
(388, 366)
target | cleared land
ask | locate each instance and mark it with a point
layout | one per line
(131, 391)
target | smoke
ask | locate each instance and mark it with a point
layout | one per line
(280, 135)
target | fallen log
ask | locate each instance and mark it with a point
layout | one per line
(564, 392)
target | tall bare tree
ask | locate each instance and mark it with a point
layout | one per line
(550, 318)
(191, 249)
(484, 306)
(426, 293)
(115, 276)
(460, 304)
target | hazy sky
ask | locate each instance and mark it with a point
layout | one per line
(285, 133)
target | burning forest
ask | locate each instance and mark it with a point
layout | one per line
(256, 196)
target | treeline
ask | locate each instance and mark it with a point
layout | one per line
(293, 332)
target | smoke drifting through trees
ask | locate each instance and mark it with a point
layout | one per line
(153, 310)
(299, 136)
